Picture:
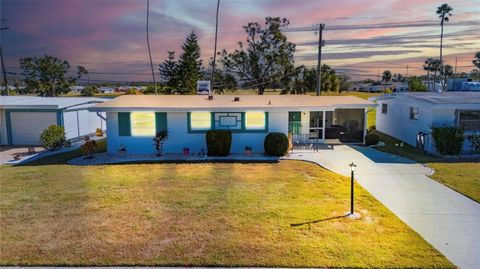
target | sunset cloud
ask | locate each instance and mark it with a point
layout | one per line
(109, 36)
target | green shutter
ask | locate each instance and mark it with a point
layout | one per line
(160, 121)
(124, 124)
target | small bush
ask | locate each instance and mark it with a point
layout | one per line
(219, 142)
(53, 137)
(448, 140)
(371, 139)
(276, 144)
(88, 147)
(474, 141)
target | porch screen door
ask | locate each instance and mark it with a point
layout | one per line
(316, 125)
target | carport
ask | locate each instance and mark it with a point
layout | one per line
(23, 118)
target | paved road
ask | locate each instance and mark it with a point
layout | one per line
(446, 219)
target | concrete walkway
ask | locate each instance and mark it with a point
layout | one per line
(446, 219)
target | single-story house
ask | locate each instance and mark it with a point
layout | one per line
(23, 118)
(405, 115)
(133, 120)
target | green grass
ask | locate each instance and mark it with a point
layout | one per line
(462, 175)
(287, 214)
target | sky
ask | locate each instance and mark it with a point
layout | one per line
(362, 37)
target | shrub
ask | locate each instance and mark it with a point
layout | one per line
(448, 140)
(158, 141)
(474, 141)
(88, 147)
(89, 91)
(276, 144)
(218, 142)
(371, 139)
(53, 137)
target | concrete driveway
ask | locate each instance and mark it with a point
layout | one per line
(446, 219)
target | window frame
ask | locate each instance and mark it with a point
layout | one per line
(414, 115)
(459, 113)
(189, 122)
(132, 124)
(243, 128)
(384, 108)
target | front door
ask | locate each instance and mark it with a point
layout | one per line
(316, 125)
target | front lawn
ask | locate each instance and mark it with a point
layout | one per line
(286, 214)
(461, 175)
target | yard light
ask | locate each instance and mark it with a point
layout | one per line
(352, 168)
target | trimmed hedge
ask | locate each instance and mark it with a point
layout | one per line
(276, 144)
(371, 139)
(448, 140)
(53, 137)
(218, 142)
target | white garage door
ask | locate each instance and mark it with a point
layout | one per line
(27, 126)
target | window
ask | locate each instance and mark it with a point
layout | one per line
(384, 108)
(228, 120)
(255, 121)
(142, 123)
(414, 113)
(200, 121)
(469, 120)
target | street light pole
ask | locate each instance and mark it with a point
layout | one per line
(352, 178)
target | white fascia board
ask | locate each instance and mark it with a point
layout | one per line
(231, 109)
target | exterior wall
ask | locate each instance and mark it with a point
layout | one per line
(3, 128)
(177, 124)
(397, 122)
(81, 122)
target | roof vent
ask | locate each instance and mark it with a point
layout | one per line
(269, 102)
(236, 99)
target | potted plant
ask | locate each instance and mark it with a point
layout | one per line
(99, 132)
(158, 141)
(248, 150)
(122, 150)
(88, 148)
(186, 151)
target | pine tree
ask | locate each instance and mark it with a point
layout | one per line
(189, 65)
(169, 72)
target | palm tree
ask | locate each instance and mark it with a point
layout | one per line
(427, 66)
(436, 65)
(445, 71)
(443, 12)
(386, 77)
(476, 61)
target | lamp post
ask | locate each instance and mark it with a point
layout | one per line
(352, 168)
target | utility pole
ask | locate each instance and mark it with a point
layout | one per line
(406, 74)
(456, 59)
(3, 64)
(321, 26)
(215, 49)
(149, 52)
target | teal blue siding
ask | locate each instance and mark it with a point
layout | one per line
(124, 124)
(160, 121)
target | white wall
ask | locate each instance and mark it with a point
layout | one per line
(81, 122)
(179, 137)
(397, 122)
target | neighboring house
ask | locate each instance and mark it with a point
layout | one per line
(77, 89)
(132, 121)
(400, 87)
(404, 115)
(106, 90)
(23, 118)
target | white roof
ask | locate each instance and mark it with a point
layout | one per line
(457, 100)
(227, 103)
(35, 102)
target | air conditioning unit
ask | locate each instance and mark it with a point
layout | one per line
(203, 87)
